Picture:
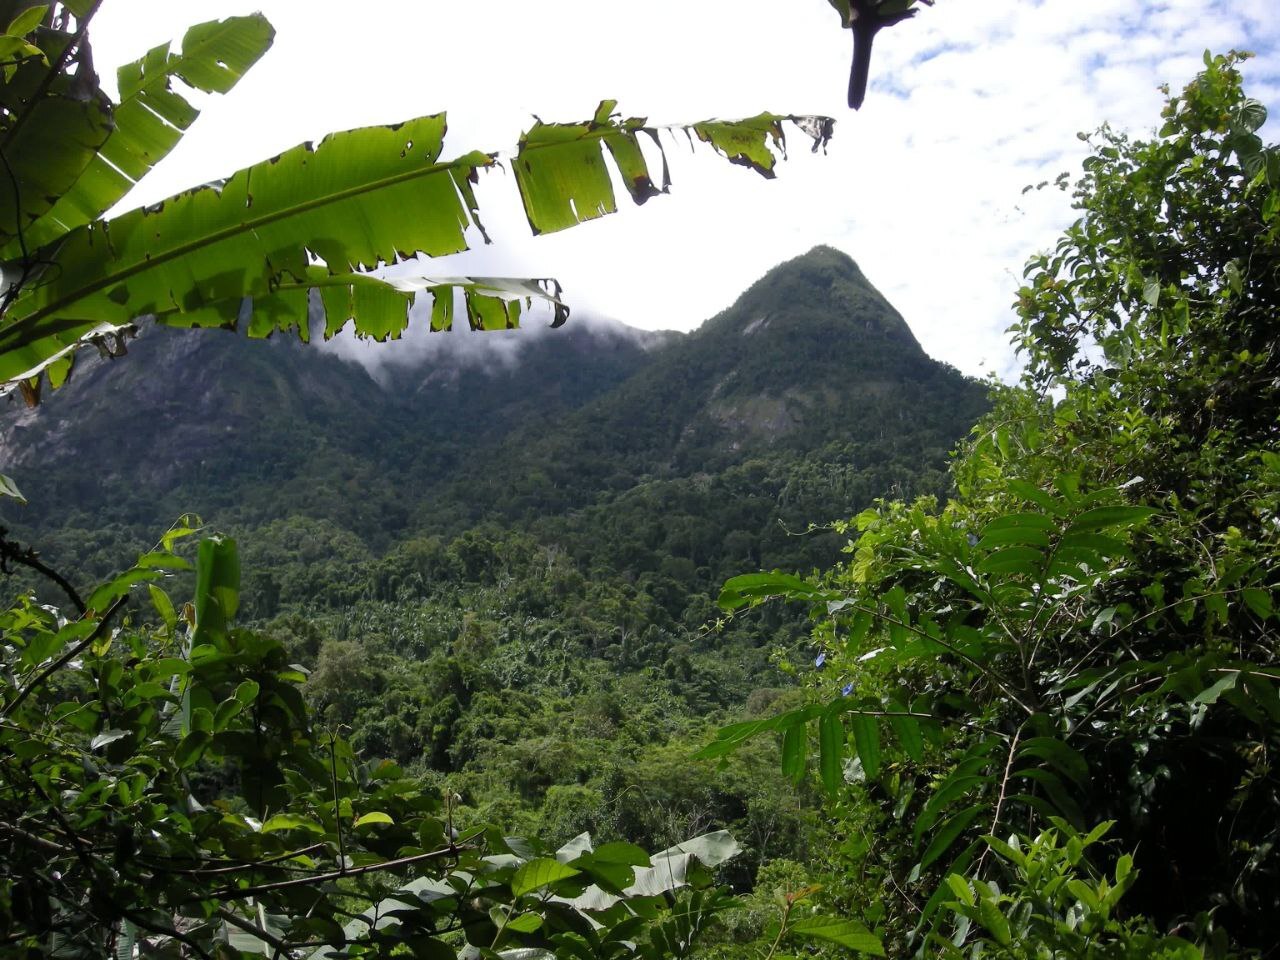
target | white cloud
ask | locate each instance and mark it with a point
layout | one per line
(969, 103)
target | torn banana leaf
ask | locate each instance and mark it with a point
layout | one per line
(47, 149)
(378, 308)
(357, 199)
(564, 178)
(320, 217)
(150, 119)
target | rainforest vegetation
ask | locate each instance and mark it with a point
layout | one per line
(509, 681)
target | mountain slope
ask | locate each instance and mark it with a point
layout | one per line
(681, 456)
(800, 403)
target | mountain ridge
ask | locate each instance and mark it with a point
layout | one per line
(810, 374)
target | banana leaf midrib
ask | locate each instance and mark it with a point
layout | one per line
(245, 226)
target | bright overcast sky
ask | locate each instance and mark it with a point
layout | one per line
(968, 103)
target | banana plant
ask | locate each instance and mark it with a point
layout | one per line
(308, 228)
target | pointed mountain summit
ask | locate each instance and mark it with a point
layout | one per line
(810, 365)
(822, 286)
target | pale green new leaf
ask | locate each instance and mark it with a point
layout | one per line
(291, 821)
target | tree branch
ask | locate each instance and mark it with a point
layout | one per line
(239, 893)
(66, 658)
(13, 552)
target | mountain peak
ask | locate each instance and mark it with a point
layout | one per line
(825, 290)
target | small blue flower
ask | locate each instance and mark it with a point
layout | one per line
(846, 689)
(820, 660)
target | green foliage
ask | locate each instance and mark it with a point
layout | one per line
(1086, 632)
(1055, 905)
(163, 784)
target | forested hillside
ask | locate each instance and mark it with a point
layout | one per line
(681, 459)
(506, 571)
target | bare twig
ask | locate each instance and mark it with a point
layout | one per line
(1000, 798)
(34, 841)
(281, 948)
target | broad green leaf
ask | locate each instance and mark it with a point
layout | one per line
(907, 730)
(1042, 499)
(226, 712)
(217, 589)
(831, 741)
(846, 933)
(750, 143)
(376, 816)
(866, 739)
(389, 181)
(1020, 521)
(118, 586)
(162, 560)
(1024, 560)
(47, 149)
(730, 737)
(151, 117)
(795, 740)
(960, 887)
(754, 587)
(539, 873)
(524, 923)
(1151, 292)
(191, 748)
(1007, 851)
(1259, 601)
(1210, 694)
(619, 851)
(26, 21)
(10, 489)
(995, 921)
(1251, 114)
(564, 180)
(1062, 757)
(164, 606)
(561, 172)
(947, 834)
(1116, 515)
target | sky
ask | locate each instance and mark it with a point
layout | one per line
(969, 103)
